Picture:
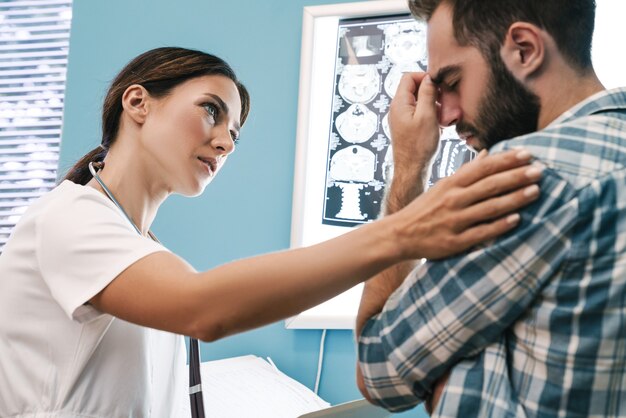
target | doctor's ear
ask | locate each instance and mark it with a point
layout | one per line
(524, 50)
(135, 102)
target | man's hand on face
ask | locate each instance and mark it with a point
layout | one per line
(413, 123)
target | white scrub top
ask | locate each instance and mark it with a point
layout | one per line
(60, 357)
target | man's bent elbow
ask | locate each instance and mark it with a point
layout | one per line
(360, 382)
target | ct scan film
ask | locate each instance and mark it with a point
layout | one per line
(372, 54)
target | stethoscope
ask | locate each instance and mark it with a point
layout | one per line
(94, 173)
(195, 384)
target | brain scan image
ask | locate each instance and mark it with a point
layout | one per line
(362, 46)
(372, 54)
(451, 155)
(385, 123)
(359, 83)
(357, 124)
(350, 201)
(405, 42)
(352, 168)
(354, 163)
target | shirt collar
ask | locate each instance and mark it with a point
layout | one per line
(605, 100)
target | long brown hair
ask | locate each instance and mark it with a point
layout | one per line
(158, 71)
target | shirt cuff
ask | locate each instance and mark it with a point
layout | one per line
(385, 386)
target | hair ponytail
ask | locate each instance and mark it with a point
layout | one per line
(80, 174)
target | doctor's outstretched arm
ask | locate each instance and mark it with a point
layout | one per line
(163, 291)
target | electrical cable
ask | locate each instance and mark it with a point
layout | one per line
(320, 362)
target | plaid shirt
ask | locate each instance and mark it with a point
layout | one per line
(533, 324)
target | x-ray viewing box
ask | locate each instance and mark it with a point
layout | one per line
(352, 57)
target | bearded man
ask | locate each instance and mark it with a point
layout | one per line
(534, 323)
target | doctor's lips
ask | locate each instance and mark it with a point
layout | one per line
(211, 162)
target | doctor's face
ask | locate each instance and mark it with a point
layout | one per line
(190, 132)
(482, 98)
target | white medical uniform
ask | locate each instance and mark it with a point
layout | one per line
(60, 357)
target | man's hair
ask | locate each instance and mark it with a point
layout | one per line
(484, 23)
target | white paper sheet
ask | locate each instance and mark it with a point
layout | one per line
(249, 386)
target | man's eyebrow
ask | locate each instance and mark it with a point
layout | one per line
(445, 72)
(223, 107)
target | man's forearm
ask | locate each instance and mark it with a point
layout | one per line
(405, 186)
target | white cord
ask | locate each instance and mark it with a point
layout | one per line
(320, 361)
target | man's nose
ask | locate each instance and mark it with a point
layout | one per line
(449, 111)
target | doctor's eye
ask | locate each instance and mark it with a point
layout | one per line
(212, 110)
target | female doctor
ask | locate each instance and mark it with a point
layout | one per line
(92, 306)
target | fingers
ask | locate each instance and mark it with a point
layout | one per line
(499, 183)
(417, 89)
(427, 99)
(413, 122)
(488, 231)
(407, 90)
(497, 207)
(485, 166)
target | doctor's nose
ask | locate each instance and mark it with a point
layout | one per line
(223, 141)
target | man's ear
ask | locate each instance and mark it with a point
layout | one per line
(135, 103)
(524, 50)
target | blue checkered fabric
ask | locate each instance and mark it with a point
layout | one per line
(532, 324)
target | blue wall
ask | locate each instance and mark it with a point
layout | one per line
(247, 209)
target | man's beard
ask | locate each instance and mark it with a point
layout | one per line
(507, 110)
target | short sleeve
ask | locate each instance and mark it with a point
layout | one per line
(83, 243)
